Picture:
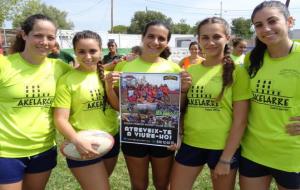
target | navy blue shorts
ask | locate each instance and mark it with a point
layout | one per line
(112, 153)
(140, 151)
(193, 156)
(13, 169)
(289, 180)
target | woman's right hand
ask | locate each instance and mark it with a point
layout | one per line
(186, 81)
(85, 147)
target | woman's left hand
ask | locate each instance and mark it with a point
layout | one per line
(294, 127)
(112, 78)
(221, 169)
(186, 81)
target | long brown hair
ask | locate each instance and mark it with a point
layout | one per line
(228, 64)
(258, 52)
(87, 34)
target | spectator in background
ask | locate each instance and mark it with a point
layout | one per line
(118, 64)
(1, 47)
(57, 53)
(239, 46)
(113, 53)
(194, 58)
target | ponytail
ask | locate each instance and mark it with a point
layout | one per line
(228, 68)
(100, 73)
(256, 57)
(165, 53)
(18, 45)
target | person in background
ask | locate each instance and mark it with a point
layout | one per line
(118, 64)
(112, 54)
(239, 46)
(1, 45)
(193, 58)
(27, 88)
(271, 144)
(76, 91)
(57, 53)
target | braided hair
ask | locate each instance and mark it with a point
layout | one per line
(228, 64)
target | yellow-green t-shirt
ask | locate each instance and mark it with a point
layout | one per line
(26, 94)
(82, 93)
(238, 60)
(163, 66)
(276, 97)
(207, 122)
(120, 65)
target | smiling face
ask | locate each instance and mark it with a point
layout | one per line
(155, 40)
(212, 38)
(41, 39)
(271, 26)
(194, 50)
(240, 48)
(88, 54)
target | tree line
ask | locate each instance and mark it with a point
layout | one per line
(17, 10)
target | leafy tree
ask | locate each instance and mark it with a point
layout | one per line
(35, 6)
(119, 29)
(8, 8)
(193, 30)
(181, 28)
(141, 18)
(242, 27)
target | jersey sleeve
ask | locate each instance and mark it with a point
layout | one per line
(63, 94)
(241, 85)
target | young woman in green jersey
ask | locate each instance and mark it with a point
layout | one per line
(27, 87)
(76, 92)
(270, 147)
(155, 38)
(239, 46)
(216, 112)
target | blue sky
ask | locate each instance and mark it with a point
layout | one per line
(95, 14)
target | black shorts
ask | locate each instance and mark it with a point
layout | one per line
(140, 151)
(116, 148)
(13, 170)
(112, 153)
(192, 156)
(289, 180)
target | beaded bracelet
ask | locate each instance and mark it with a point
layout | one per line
(224, 161)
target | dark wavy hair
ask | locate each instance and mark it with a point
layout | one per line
(236, 41)
(228, 64)
(166, 52)
(26, 27)
(87, 34)
(257, 54)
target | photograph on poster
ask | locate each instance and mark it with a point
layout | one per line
(149, 108)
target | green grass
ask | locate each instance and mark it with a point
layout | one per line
(62, 179)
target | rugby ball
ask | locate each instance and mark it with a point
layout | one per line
(104, 139)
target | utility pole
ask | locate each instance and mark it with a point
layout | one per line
(287, 3)
(111, 16)
(221, 9)
(146, 5)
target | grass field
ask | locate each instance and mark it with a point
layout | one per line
(62, 179)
